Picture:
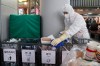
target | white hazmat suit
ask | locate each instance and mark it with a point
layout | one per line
(75, 25)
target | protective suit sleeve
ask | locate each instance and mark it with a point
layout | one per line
(76, 26)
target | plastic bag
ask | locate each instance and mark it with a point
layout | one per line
(75, 54)
(74, 62)
(72, 58)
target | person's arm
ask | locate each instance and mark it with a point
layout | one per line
(73, 29)
(76, 26)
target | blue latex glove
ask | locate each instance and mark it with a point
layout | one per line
(61, 43)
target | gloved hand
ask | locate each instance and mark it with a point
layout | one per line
(60, 39)
(59, 45)
(56, 41)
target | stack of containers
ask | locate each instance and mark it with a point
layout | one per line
(91, 49)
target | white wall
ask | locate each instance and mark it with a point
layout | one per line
(52, 18)
(7, 7)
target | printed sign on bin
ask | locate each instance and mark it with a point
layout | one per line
(48, 57)
(28, 56)
(65, 56)
(9, 55)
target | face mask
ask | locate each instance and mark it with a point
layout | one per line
(66, 15)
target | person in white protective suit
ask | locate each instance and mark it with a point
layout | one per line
(75, 25)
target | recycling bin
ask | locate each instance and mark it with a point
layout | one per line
(28, 54)
(10, 54)
(49, 55)
(64, 51)
(28, 48)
